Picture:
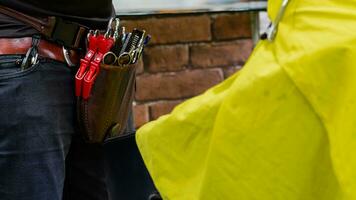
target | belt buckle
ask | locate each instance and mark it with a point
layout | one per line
(66, 55)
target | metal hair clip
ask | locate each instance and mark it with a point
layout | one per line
(272, 30)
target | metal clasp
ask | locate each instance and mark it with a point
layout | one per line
(31, 57)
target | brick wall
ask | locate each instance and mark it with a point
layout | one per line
(188, 54)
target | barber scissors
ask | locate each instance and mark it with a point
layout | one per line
(110, 58)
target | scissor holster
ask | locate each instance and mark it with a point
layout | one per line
(105, 113)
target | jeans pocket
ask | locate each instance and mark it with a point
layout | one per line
(10, 66)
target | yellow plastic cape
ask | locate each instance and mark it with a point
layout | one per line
(283, 128)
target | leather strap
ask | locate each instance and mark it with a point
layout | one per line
(45, 49)
(44, 26)
(64, 32)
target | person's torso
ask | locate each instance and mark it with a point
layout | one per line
(93, 14)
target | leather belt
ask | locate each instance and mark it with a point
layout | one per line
(45, 49)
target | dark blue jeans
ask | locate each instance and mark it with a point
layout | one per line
(38, 134)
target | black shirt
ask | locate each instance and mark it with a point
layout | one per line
(91, 13)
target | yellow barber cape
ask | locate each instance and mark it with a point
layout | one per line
(283, 128)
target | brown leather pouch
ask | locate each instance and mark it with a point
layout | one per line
(105, 113)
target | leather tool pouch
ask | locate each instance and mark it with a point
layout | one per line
(105, 113)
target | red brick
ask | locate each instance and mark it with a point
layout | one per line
(176, 29)
(176, 85)
(230, 71)
(166, 58)
(232, 26)
(140, 66)
(160, 108)
(141, 115)
(221, 54)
